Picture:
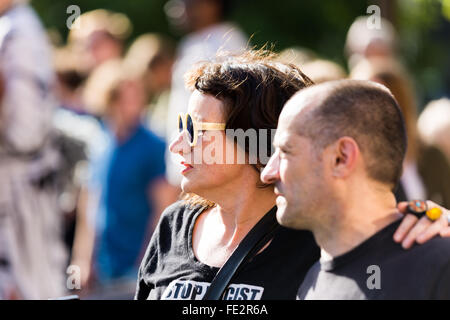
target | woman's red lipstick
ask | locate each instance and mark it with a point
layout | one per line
(188, 167)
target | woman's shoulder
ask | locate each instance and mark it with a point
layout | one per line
(180, 207)
(178, 214)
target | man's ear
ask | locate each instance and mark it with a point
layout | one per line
(344, 155)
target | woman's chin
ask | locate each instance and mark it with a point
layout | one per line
(185, 187)
(188, 186)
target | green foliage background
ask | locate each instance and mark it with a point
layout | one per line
(319, 25)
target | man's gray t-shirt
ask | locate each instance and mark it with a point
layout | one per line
(379, 268)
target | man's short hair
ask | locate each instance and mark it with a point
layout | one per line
(367, 112)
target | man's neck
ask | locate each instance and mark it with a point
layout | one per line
(355, 221)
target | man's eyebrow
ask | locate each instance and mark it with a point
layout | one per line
(287, 146)
(282, 144)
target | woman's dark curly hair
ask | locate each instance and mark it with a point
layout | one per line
(252, 86)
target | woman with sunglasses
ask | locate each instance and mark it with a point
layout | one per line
(224, 201)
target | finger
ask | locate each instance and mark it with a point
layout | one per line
(431, 205)
(402, 207)
(411, 237)
(407, 223)
(445, 232)
(433, 230)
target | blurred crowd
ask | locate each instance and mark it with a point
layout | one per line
(84, 129)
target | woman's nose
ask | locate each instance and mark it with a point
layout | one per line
(180, 144)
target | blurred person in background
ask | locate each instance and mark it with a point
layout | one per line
(365, 41)
(126, 191)
(72, 117)
(321, 70)
(150, 57)
(426, 172)
(100, 36)
(318, 70)
(32, 254)
(78, 130)
(207, 34)
(434, 125)
(297, 56)
(70, 74)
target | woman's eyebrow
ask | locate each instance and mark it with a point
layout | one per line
(196, 117)
(199, 117)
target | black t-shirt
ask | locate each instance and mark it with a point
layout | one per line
(170, 269)
(379, 268)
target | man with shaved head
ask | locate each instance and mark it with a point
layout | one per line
(339, 152)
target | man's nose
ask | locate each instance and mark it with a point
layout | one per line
(180, 144)
(270, 174)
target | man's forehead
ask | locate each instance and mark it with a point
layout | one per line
(302, 100)
(287, 128)
(295, 109)
(282, 136)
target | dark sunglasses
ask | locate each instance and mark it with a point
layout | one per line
(186, 123)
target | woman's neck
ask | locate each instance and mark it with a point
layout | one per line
(220, 229)
(242, 210)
